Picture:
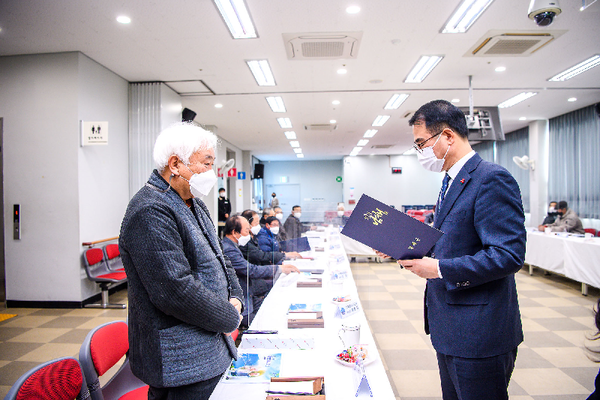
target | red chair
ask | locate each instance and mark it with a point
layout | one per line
(113, 257)
(593, 231)
(59, 379)
(97, 271)
(102, 348)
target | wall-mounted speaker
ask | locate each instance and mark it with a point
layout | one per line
(259, 171)
(187, 115)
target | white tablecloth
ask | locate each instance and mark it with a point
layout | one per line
(576, 258)
(320, 361)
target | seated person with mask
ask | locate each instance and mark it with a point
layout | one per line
(567, 221)
(293, 227)
(267, 237)
(552, 214)
(251, 276)
(253, 253)
(266, 213)
(282, 235)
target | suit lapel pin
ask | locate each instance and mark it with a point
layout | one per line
(462, 180)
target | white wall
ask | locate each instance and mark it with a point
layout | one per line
(372, 175)
(43, 97)
(103, 170)
(170, 107)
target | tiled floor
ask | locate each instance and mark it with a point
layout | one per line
(552, 364)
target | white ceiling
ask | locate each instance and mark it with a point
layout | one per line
(179, 40)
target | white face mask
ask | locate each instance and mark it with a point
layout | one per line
(340, 213)
(428, 159)
(222, 194)
(551, 210)
(243, 240)
(297, 215)
(279, 216)
(255, 229)
(201, 184)
(275, 230)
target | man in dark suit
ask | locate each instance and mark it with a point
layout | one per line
(471, 307)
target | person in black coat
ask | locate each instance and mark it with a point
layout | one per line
(224, 210)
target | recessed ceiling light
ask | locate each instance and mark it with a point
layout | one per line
(380, 120)
(370, 133)
(335, 102)
(237, 18)
(218, 105)
(362, 142)
(500, 69)
(297, 150)
(583, 66)
(342, 71)
(456, 100)
(522, 118)
(572, 99)
(355, 151)
(516, 99)
(424, 66)
(300, 155)
(353, 10)
(262, 72)
(395, 101)
(375, 81)
(285, 123)
(465, 15)
(122, 19)
(290, 135)
(295, 143)
(276, 103)
(332, 121)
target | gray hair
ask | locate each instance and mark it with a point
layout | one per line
(182, 140)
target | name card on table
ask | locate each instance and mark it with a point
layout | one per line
(348, 309)
(360, 379)
(276, 342)
(338, 275)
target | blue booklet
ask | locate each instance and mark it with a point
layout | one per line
(390, 231)
(298, 244)
(254, 367)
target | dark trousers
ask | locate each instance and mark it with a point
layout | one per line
(476, 378)
(196, 391)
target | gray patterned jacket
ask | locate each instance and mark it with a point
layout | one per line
(179, 289)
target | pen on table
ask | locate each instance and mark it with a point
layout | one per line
(258, 332)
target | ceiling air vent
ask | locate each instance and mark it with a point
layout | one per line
(320, 127)
(322, 46)
(382, 146)
(512, 44)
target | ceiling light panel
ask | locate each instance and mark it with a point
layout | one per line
(285, 123)
(370, 133)
(276, 104)
(380, 120)
(590, 63)
(465, 15)
(516, 99)
(295, 143)
(237, 18)
(262, 72)
(362, 143)
(297, 150)
(424, 66)
(290, 135)
(300, 155)
(396, 101)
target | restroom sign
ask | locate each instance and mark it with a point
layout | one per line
(94, 133)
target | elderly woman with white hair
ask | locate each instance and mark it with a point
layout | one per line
(184, 296)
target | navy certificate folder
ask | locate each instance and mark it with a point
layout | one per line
(390, 231)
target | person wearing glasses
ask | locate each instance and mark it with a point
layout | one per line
(471, 306)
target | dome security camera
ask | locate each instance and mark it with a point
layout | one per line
(543, 11)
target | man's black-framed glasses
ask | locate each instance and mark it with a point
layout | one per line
(419, 146)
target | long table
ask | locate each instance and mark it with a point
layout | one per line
(576, 258)
(320, 361)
